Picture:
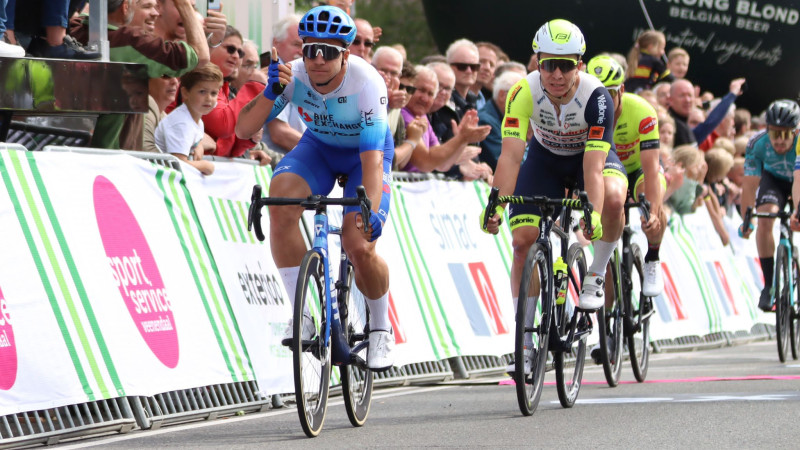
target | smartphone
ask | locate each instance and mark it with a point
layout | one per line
(215, 5)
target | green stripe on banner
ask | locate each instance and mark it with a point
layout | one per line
(171, 205)
(216, 216)
(398, 224)
(680, 232)
(427, 274)
(224, 213)
(48, 288)
(242, 222)
(79, 287)
(503, 249)
(208, 267)
(235, 218)
(59, 273)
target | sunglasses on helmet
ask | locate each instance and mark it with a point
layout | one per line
(783, 134)
(329, 52)
(563, 64)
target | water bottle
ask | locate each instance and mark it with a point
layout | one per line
(561, 280)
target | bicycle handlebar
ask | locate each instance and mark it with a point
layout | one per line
(310, 202)
(582, 202)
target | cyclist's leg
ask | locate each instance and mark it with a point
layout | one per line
(299, 175)
(770, 198)
(615, 183)
(653, 281)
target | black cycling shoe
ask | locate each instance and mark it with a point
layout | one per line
(765, 302)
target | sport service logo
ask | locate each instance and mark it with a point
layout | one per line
(135, 272)
(8, 349)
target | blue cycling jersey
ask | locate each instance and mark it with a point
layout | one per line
(760, 155)
(352, 116)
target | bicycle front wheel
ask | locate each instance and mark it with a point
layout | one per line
(639, 309)
(311, 354)
(782, 309)
(795, 310)
(534, 307)
(609, 324)
(356, 377)
(569, 363)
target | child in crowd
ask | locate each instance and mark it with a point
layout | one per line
(645, 64)
(678, 62)
(181, 132)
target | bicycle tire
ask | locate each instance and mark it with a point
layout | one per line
(356, 380)
(795, 311)
(782, 310)
(638, 349)
(311, 358)
(569, 384)
(529, 388)
(609, 324)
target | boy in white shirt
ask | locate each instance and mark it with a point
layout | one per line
(181, 132)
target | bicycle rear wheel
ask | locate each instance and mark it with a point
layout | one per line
(311, 357)
(356, 377)
(535, 296)
(795, 316)
(609, 324)
(569, 364)
(782, 309)
(638, 308)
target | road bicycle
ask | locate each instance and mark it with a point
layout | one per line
(784, 284)
(557, 326)
(626, 322)
(324, 307)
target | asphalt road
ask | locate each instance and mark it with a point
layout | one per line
(733, 397)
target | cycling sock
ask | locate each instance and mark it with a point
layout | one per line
(602, 253)
(289, 277)
(767, 267)
(379, 313)
(530, 316)
(652, 252)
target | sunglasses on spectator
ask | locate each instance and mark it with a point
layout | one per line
(329, 52)
(407, 88)
(462, 67)
(250, 66)
(563, 64)
(368, 44)
(613, 92)
(781, 134)
(231, 49)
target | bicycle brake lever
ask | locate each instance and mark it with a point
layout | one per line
(587, 210)
(254, 214)
(366, 204)
(644, 207)
(491, 206)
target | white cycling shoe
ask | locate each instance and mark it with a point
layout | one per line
(308, 331)
(653, 284)
(593, 295)
(528, 363)
(379, 355)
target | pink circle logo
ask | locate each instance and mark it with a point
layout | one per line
(135, 272)
(8, 351)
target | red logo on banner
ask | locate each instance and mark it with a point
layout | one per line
(8, 349)
(485, 289)
(399, 332)
(672, 294)
(135, 272)
(724, 280)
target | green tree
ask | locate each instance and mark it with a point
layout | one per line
(402, 22)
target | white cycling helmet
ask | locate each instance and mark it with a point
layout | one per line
(559, 37)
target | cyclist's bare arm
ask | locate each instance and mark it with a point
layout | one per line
(252, 116)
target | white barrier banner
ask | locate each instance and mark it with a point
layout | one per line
(102, 304)
(252, 283)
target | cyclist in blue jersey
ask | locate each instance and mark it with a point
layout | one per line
(768, 167)
(343, 102)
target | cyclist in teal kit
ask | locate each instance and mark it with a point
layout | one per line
(343, 102)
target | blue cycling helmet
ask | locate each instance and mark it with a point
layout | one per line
(327, 22)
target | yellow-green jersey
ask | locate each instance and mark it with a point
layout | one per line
(636, 131)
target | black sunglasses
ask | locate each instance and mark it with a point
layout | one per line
(329, 52)
(462, 67)
(407, 88)
(231, 49)
(551, 64)
(368, 44)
